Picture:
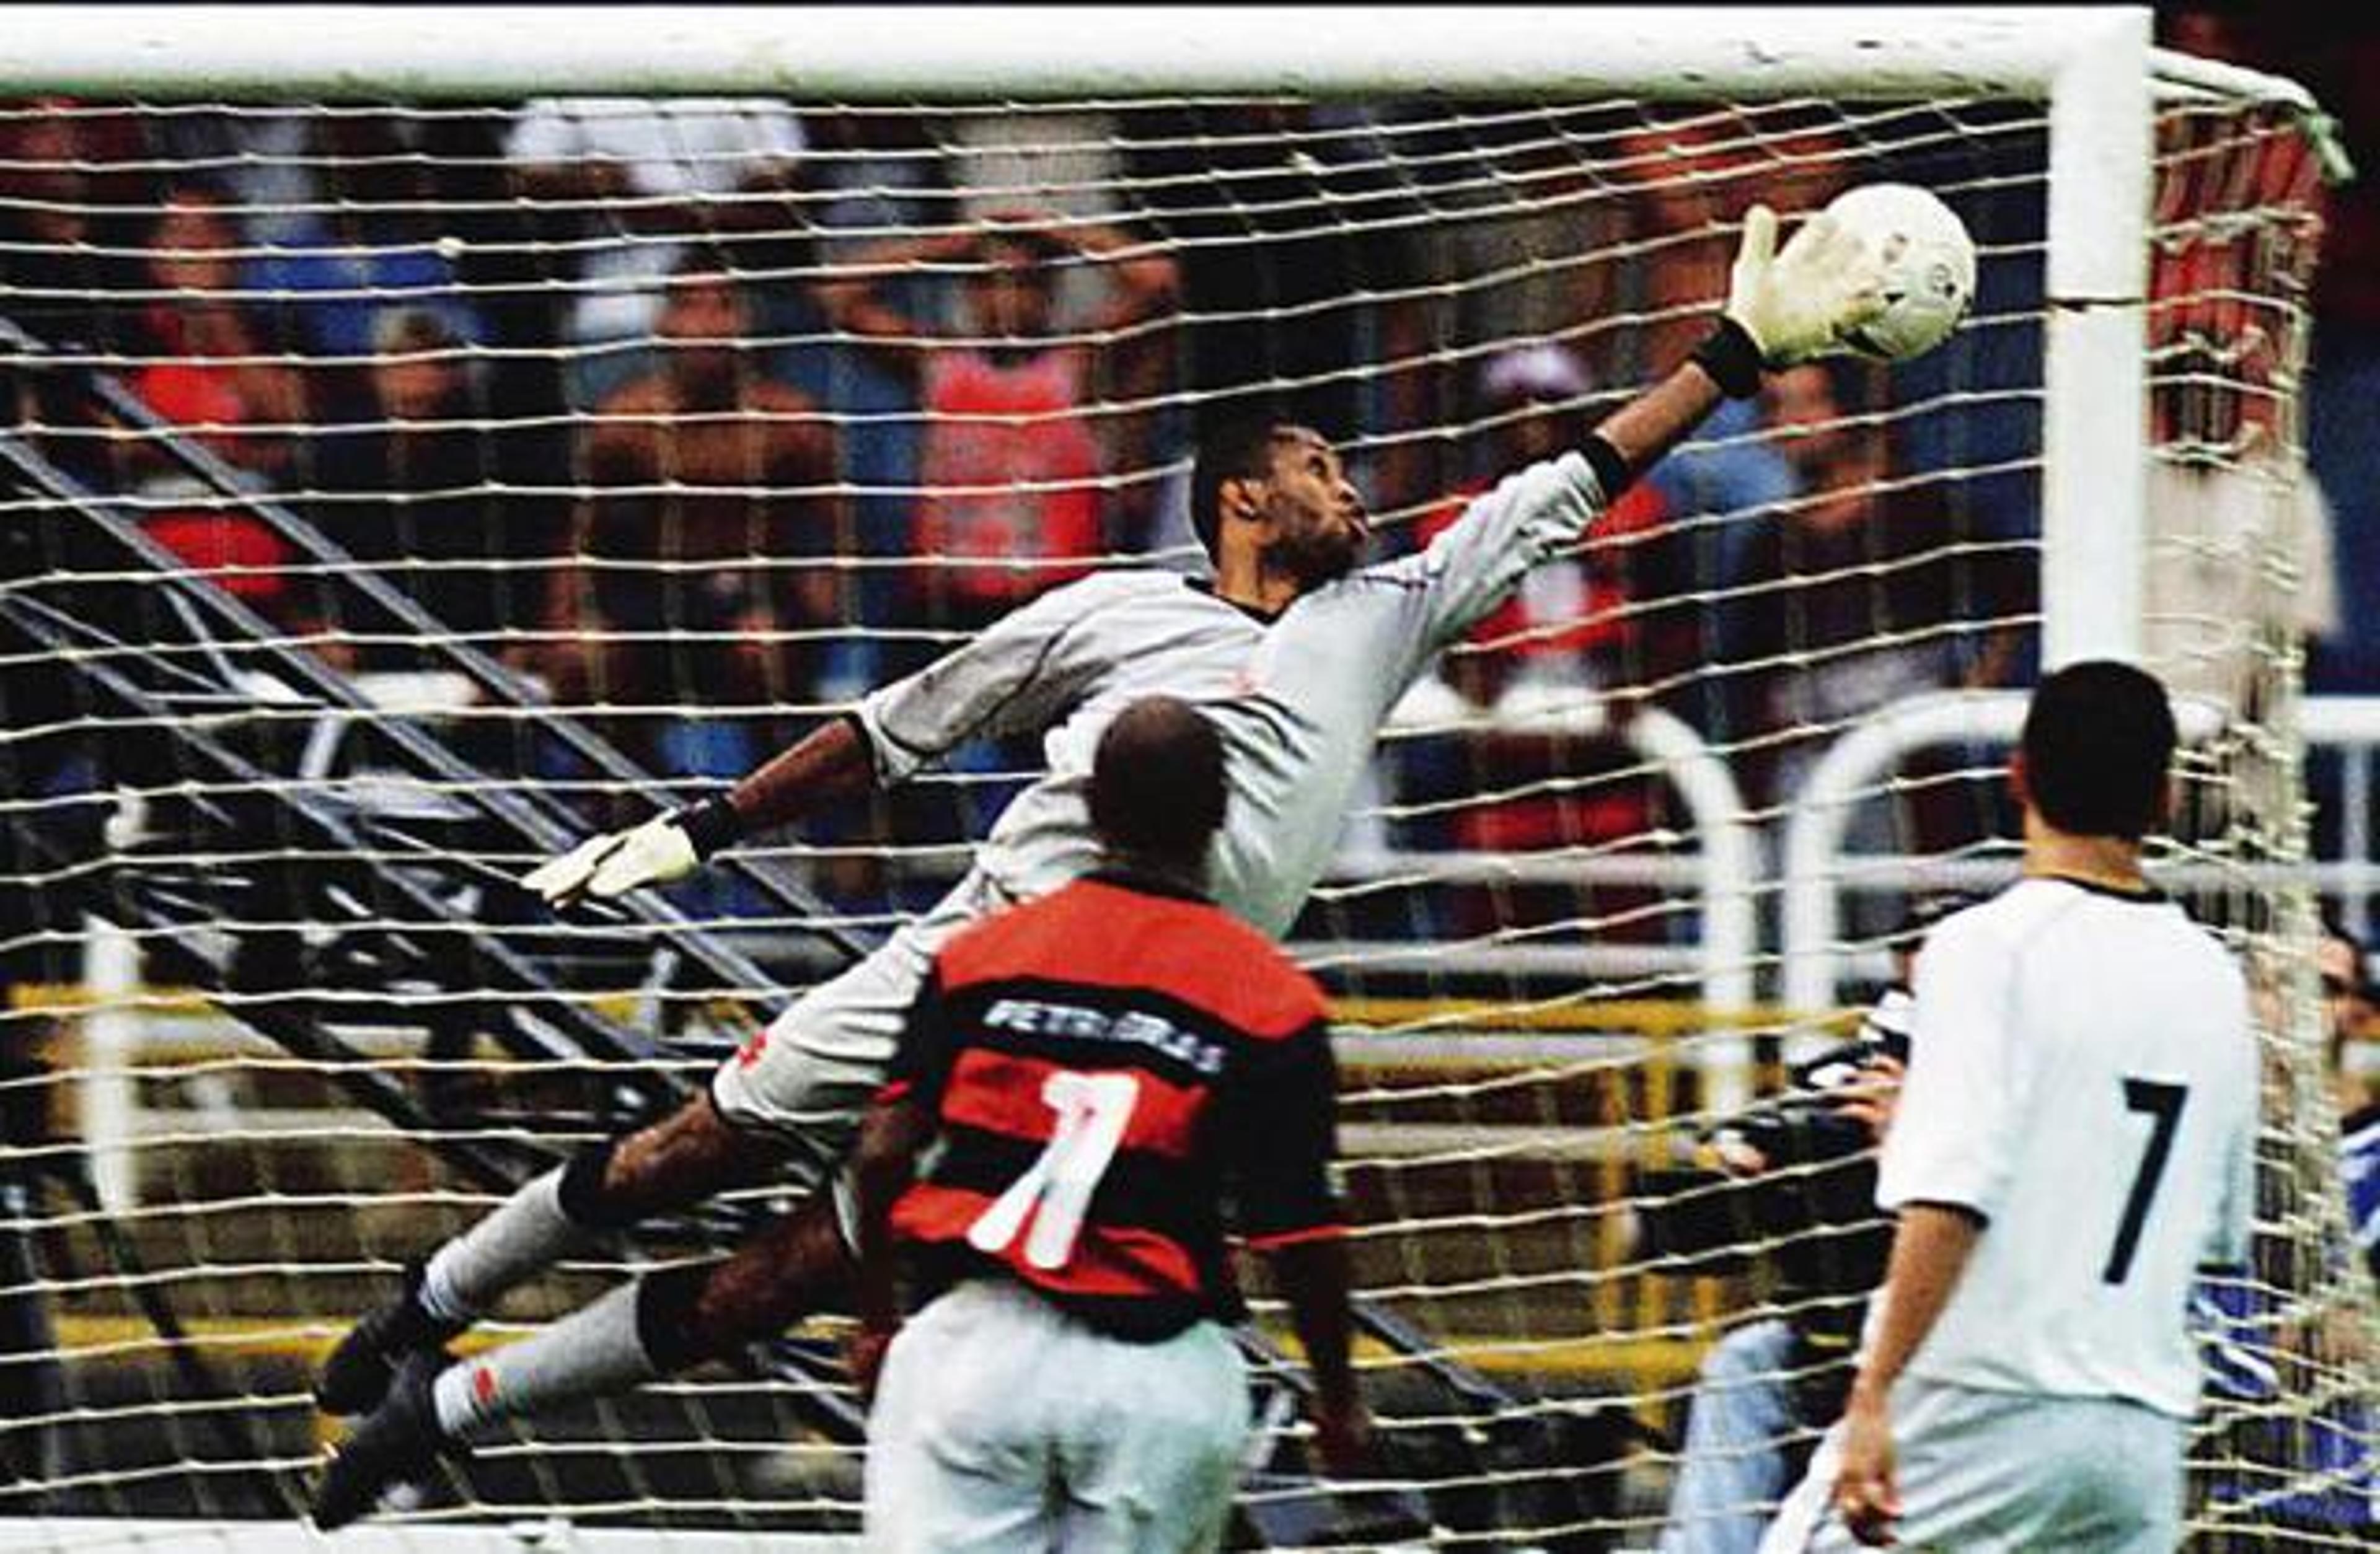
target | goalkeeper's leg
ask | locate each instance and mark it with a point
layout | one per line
(783, 1107)
(650, 1328)
(778, 1110)
(685, 1157)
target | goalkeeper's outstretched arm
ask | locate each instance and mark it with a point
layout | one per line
(1015, 676)
(1782, 308)
(831, 762)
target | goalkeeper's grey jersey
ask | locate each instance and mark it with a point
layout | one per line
(1298, 702)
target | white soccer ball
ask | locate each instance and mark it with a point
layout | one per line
(1929, 268)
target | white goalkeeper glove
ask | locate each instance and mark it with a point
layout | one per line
(1794, 305)
(662, 851)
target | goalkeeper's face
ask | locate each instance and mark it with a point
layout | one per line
(1318, 526)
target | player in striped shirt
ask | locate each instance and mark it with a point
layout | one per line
(2074, 1141)
(1102, 1074)
(1293, 651)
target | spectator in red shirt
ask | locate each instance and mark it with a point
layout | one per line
(214, 361)
(211, 366)
(1012, 452)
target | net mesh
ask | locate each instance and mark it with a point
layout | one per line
(396, 493)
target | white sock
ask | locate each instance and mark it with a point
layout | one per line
(525, 1235)
(591, 1353)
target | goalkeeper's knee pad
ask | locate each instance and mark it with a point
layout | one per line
(581, 1193)
(665, 1317)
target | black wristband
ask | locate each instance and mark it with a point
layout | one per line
(579, 1193)
(711, 824)
(1732, 357)
(1611, 470)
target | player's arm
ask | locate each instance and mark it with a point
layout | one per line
(900, 1122)
(1315, 1280)
(1930, 1250)
(831, 762)
(894, 1134)
(1782, 308)
(1014, 673)
(1945, 1167)
(1280, 1139)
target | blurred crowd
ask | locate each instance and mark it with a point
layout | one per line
(710, 412)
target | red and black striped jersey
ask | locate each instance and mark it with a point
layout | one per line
(1117, 1068)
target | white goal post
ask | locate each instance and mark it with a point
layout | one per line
(1514, 1073)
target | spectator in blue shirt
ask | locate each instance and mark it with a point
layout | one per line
(2304, 1450)
(380, 243)
(2347, 996)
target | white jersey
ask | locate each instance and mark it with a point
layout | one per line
(1339, 659)
(2083, 1075)
(1298, 703)
(1061, 667)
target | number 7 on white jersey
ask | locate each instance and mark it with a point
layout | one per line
(1092, 1110)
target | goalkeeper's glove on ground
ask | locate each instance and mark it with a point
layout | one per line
(1786, 308)
(662, 851)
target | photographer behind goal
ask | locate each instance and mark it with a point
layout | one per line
(1791, 1177)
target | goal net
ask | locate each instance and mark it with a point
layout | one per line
(397, 487)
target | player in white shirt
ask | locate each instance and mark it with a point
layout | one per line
(1294, 652)
(2074, 1141)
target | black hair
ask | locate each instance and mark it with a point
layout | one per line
(1855, 386)
(1157, 785)
(2332, 928)
(1041, 249)
(704, 264)
(2098, 739)
(1237, 449)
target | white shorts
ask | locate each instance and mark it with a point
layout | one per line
(1002, 1424)
(1995, 1472)
(809, 1075)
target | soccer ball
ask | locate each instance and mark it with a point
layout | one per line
(1929, 268)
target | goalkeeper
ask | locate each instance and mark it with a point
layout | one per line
(1294, 652)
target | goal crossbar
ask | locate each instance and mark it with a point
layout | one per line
(1009, 53)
